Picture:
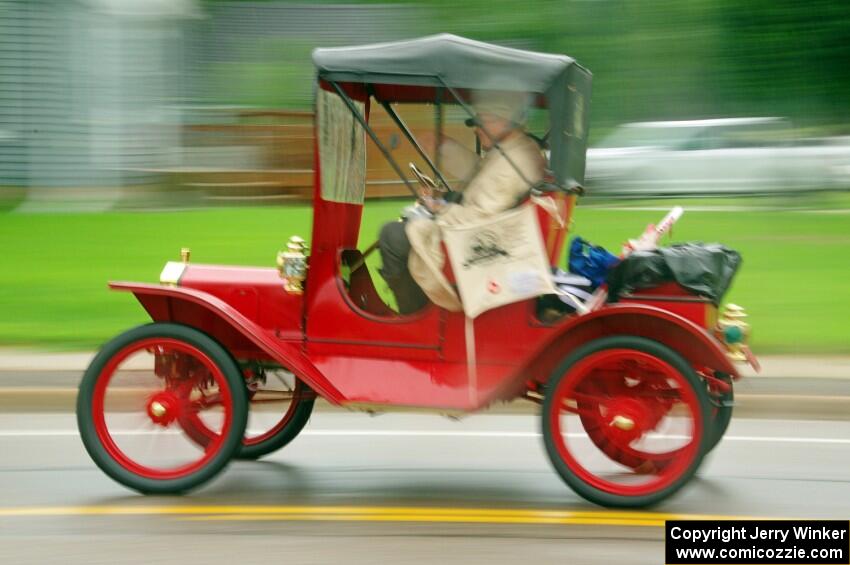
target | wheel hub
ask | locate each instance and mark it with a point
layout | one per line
(627, 418)
(163, 408)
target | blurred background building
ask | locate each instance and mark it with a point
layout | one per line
(109, 103)
(88, 95)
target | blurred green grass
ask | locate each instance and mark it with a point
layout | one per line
(795, 279)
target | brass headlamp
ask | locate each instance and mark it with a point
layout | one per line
(292, 265)
(733, 330)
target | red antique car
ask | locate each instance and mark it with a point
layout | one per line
(633, 394)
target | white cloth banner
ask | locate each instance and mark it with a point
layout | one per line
(499, 261)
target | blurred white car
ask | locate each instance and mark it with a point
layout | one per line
(712, 157)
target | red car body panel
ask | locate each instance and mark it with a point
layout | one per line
(239, 334)
(254, 292)
(673, 298)
(403, 368)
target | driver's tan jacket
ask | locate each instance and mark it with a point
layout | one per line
(494, 188)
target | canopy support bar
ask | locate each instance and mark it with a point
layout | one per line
(359, 117)
(403, 127)
(438, 125)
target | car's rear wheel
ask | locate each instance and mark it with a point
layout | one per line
(626, 421)
(280, 407)
(139, 388)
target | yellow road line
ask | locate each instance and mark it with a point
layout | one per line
(483, 519)
(366, 514)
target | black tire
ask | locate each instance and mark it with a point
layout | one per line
(230, 443)
(722, 414)
(285, 435)
(654, 348)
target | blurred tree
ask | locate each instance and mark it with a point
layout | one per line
(791, 57)
(660, 59)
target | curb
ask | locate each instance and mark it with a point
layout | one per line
(798, 388)
(773, 366)
(765, 406)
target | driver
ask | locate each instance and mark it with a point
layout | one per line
(412, 254)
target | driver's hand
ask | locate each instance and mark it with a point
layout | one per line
(434, 205)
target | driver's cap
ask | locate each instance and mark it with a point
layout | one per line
(510, 106)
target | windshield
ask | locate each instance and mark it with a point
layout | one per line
(342, 153)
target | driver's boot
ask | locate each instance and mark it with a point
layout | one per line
(408, 296)
(395, 251)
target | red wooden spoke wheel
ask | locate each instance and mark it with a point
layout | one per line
(136, 392)
(616, 408)
(281, 405)
(626, 421)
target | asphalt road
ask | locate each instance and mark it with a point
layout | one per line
(393, 488)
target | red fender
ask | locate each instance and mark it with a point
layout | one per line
(227, 325)
(689, 340)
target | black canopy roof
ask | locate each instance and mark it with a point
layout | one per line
(459, 62)
(415, 70)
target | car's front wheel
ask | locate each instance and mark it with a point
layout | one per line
(138, 390)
